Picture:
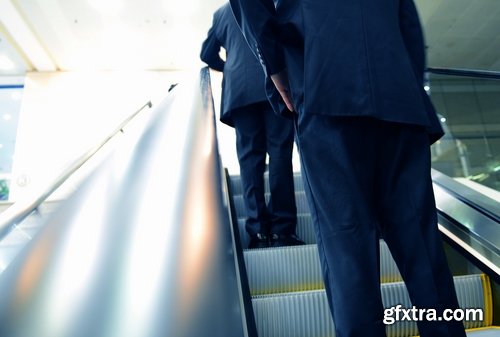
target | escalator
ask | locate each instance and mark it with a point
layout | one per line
(150, 244)
(285, 284)
(141, 246)
(287, 291)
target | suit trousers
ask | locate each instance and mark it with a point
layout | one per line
(365, 179)
(259, 131)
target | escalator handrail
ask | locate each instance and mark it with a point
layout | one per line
(470, 220)
(486, 74)
(20, 210)
(143, 246)
(479, 202)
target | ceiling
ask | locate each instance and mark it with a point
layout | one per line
(462, 33)
(52, 35)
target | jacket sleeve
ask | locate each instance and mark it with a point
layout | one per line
(258, 22)
(411, 30)
(211, 47)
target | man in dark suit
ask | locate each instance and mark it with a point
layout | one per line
(258, 131)
(352, 71)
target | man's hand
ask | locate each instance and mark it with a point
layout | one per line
(280, 81)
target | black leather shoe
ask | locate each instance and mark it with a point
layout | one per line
(281, 240)
(258, 241)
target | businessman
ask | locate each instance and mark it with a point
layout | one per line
(259, 131)
(352, 73)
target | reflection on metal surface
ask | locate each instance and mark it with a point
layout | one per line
(474, 252)
(475, 222)
(23, 208)
(470, 220)
(143, 248)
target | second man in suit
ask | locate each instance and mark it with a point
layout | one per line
(258, 132)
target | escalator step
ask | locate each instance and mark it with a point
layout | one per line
(283, 269)
(389, 271)
(300, 199)
(296, 314)
(492, 331)
(470, 293)
(306, 313)
(236, 188)
(304, 230)
(297, 268)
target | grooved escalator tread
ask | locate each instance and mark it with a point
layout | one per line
(306, 313)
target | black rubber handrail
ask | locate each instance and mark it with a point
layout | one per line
(486, 74)
(471, 220)
(476, 200)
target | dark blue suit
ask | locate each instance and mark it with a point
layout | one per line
(364, 127)
(258, 129)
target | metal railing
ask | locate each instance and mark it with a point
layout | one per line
(143, 248)
(22, 209)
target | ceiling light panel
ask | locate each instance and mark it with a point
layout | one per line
(121, 34)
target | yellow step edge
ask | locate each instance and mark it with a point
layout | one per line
(488, 301)
(488, 306)
(484, 328)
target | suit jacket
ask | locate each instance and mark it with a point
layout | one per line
(243, 80)
(343, 57)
